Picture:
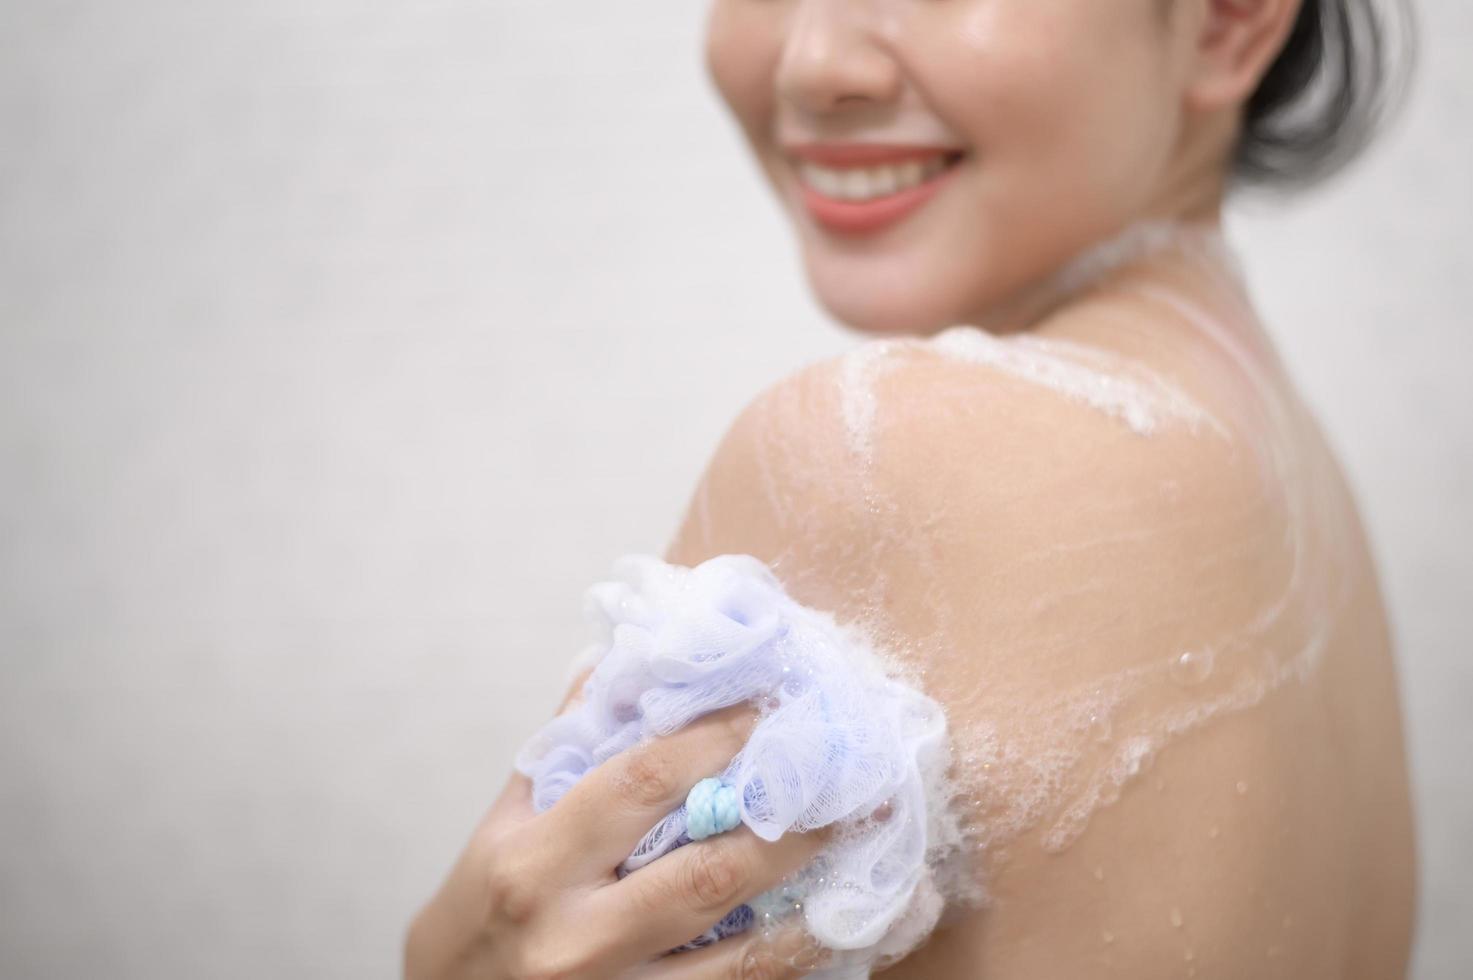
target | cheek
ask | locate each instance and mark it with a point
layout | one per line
(1048, 92)
(1054, 117)
(742, 52)
(1030, 102)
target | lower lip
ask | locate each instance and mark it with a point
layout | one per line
(868, 217)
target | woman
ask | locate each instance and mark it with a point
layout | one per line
(1068, 481)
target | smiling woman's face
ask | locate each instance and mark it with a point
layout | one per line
(938, 157)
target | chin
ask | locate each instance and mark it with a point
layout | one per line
(888, 293)
(892, 313)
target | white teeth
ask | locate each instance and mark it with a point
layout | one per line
(868, 183)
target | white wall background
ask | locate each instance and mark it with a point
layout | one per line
(342, 345)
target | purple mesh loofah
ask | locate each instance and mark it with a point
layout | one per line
(838, 738)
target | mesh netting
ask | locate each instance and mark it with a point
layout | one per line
(839, 741)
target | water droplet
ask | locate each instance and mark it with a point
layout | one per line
(1107, 936)
(1099, 874)
(1242, 788)
(1213, 831)
(1176, 919)
(1189, 954)
(1192, 667)
(1099, 727)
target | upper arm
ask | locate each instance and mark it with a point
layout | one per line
(1045, 566)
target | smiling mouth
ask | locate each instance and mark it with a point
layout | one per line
(859, 190)
(874, 181)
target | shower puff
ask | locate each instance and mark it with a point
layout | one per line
(839, 740)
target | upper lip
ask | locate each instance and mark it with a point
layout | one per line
(861, 154)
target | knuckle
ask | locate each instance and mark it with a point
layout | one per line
(714, 876)
(513, 893)
(651, 778)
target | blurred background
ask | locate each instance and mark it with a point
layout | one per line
(343, 345)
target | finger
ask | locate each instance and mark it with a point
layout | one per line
(681, 895)
(788, 953)
(600, 819)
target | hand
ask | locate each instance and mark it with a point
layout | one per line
(536, 895)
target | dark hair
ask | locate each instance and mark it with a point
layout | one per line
(1345, 64)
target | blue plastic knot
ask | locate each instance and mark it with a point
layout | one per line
(711, 808)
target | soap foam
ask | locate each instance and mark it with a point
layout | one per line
(1127, 391)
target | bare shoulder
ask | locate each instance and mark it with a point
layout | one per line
(978, 457)
(1038, 512)
(1097, 567)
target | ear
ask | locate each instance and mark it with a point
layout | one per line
(1237, 42)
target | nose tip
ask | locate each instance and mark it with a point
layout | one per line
(832, 58)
